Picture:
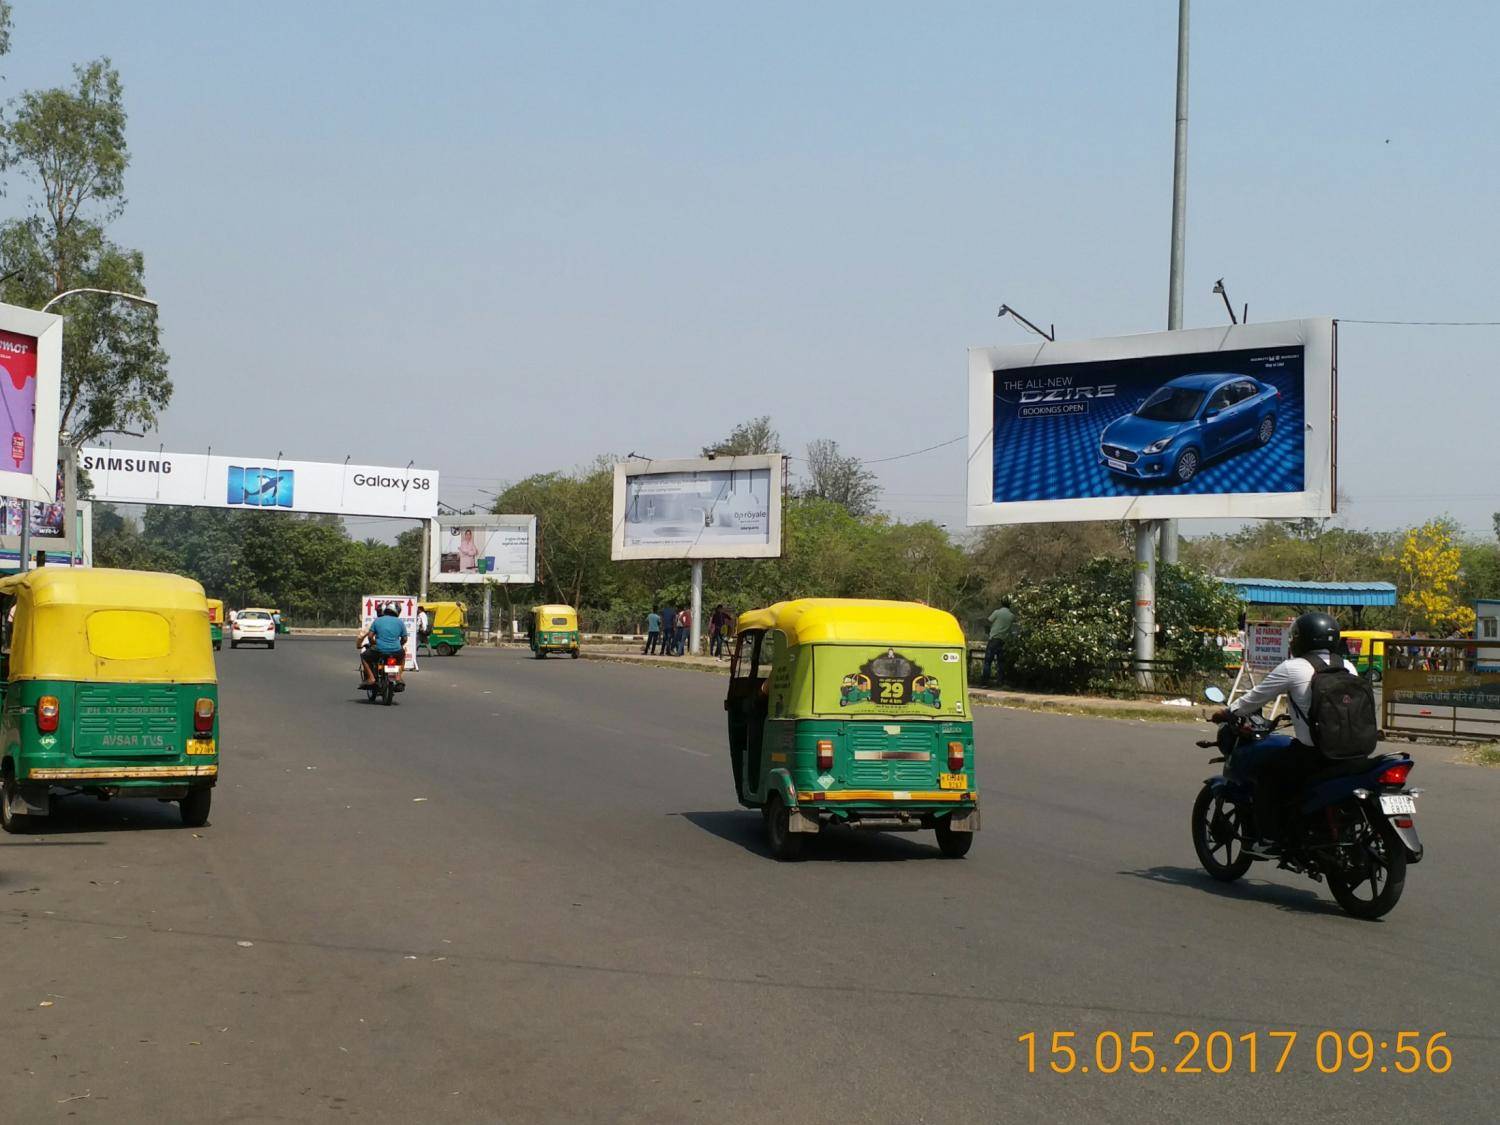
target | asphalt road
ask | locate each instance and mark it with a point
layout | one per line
(525, 894)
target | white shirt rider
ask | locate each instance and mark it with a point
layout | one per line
(1293, 679)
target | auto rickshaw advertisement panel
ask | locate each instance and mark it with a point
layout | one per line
(906, 680)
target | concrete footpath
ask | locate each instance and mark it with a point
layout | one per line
(1153, 710)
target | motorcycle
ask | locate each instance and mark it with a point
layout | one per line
(385, 685)
(1354, 822)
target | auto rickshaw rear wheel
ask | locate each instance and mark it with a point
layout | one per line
(14, 823)
(785, 844)
(951, 842)
(444, 650)
(194, 807)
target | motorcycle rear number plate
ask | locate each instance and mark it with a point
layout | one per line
(953, 781)
(1113, 464)
(1397, 804)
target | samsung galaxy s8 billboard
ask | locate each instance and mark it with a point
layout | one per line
(1212, 422)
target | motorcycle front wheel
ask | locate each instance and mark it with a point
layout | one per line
(1371, 873)
(1217, 823)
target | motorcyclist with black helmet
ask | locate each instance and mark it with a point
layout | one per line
(1280, 770)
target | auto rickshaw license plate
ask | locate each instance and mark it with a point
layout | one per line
(953, 781)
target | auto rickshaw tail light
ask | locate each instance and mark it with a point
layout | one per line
(203, 716)
(47, 713)
(825, 755)
(955, 757)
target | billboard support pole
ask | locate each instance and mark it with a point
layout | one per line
(488, 592)
(1179, 225)
(423, 564)
(1145, 600)
(697, 628)
(25, 559)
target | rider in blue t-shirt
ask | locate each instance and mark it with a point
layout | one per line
(387, 637)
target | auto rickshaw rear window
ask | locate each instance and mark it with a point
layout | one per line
(128, 634)
(559, 621)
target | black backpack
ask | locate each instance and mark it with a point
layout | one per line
(1341, 712)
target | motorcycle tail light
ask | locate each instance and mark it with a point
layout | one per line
(1395, 775)
(48, 711)
(825, 755)
(203, 716)
(955, 757)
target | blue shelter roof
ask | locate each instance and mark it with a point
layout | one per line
(1275, 591)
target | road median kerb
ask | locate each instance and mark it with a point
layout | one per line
(1146, 710)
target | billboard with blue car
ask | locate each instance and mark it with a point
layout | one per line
(1223, 422)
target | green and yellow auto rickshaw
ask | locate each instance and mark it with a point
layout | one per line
(1366, 649)
(554, 628)
(216, 622)
(109, 689)
(853, 712)
(445, 627)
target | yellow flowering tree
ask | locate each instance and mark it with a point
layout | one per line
(1429, 566)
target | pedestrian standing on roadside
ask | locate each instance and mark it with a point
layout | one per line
(668, 629)
(653, 632)
(1002, 626)
(684, 623)
(716, 625)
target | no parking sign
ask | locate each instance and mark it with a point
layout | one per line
(370, 606)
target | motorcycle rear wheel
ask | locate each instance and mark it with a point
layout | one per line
(1376, 894)
(1217, 832)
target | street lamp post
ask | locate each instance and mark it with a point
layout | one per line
(70, 448)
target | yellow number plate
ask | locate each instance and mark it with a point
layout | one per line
(201, 746)
(953, 781)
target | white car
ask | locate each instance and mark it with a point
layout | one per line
(252, 627)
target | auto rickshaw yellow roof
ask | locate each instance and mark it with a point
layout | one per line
(98, 625)
(856, 620)
(99, 586)
(554, 609)
(435, 605)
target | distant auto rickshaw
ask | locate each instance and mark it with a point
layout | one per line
(109, 689)
(852, 712)
(282, 628)
(445, 627)
(1367, 651)
(554, 628)
(216, 622)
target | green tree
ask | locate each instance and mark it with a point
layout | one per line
(834, 476)
(1074, 630)
(573, 513)
(755, 436)
(118, 542)
(70, 144)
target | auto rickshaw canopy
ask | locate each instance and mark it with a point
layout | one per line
(444, 615)
(215, 611)
(546, 615)
(808, 621)
(1367, 642)
(115, 626)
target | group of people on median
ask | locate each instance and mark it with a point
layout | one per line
(668, 629)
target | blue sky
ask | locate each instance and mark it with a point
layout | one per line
(501, 238)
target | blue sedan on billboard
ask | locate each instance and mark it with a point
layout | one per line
(1187, 422)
